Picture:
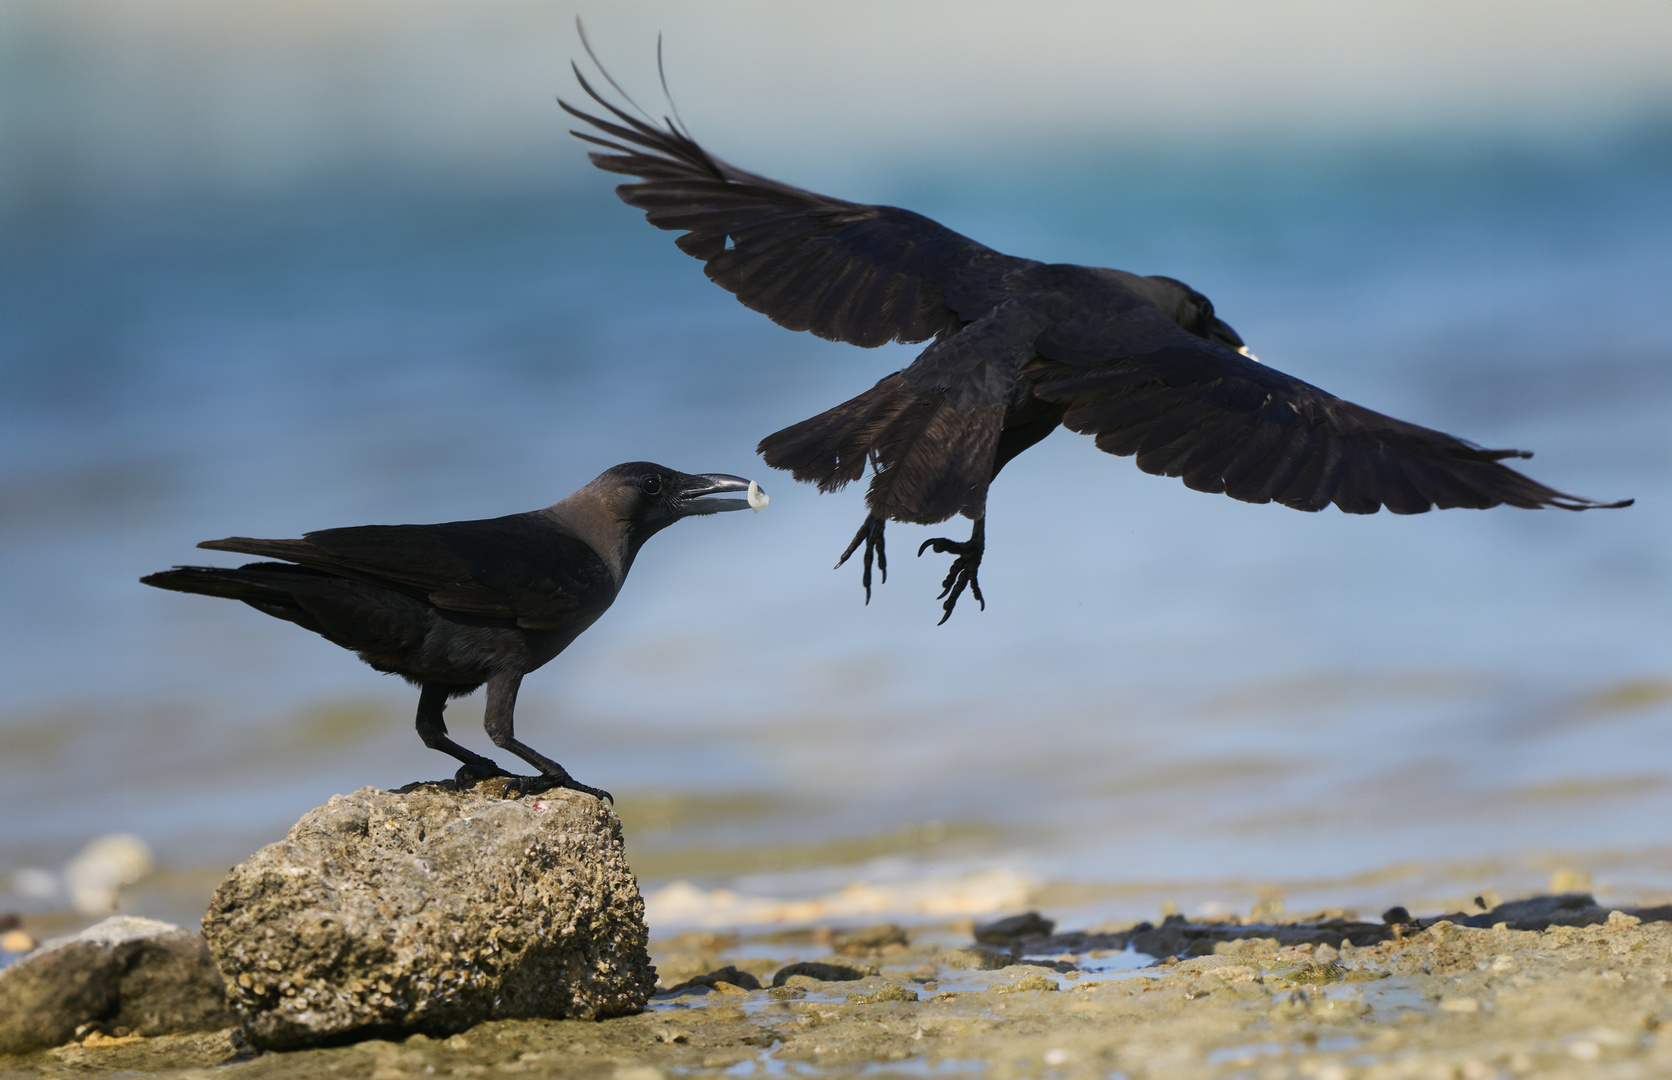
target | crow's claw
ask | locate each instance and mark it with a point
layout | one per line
(534, 785)
(870, 534)
(963, 571)
(469, 775)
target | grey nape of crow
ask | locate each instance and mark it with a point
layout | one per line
(1018, 347)
(450, 607)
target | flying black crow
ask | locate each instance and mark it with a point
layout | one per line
(450, 607)
(1018, 347)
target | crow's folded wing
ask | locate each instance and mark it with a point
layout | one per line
(515, 568)
(1224, 423)
(846, 271)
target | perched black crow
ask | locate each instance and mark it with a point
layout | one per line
(450, 607)
(1017, 348)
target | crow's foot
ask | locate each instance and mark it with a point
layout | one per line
(962, 573)
(535, 785)
(473, 772)
(870, 534)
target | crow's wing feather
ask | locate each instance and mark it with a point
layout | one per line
(1189, 408)
(505, 568)
(846, 271)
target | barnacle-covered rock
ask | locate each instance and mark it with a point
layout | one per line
(384, 913)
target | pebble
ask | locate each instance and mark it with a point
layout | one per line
(17, 941)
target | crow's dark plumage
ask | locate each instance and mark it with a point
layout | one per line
(1018, 347)
(450, 607)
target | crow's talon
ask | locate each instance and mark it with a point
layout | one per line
(597, 793)
(963, 571)
(871, 535)
(544, 782)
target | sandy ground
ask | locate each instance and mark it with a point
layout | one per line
(1441, 1000)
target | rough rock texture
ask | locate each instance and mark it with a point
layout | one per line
(431, 911)
(125, 975)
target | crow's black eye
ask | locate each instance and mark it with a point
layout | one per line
(652, 485)
(1206, 313)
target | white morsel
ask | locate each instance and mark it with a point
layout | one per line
(757, 498)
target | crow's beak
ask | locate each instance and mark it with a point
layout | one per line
(694, 487)
(1221, 333)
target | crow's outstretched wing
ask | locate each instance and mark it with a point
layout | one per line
(515, 568)
(1221, 422)
(846, 271)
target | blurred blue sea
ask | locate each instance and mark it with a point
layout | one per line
(1166, 687)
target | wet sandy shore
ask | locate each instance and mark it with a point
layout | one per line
(1434, 1000)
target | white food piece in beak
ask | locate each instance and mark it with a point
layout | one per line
(757, 498)
(1246, 351)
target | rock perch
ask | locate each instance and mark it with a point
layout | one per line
(383, 913)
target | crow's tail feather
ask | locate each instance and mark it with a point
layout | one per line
(932, 460)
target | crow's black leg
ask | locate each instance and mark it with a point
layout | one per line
(502, 703)
(871, 534)
(963, 568)
(432, 728)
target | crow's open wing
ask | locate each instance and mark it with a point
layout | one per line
(845, 271)
(512, 568)
(1224, 423)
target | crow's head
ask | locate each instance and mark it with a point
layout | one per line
(646, 498)
(1193, 311)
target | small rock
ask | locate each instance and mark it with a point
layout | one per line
(432, 911)
(891, 992)
(1231, 969)
(794, 986)
(727, 980)
(973, 958)
(1568, 880)
(145, 976)
(732, 976)
(1316, 971)
(1538, 912)
(821, 972)
(871, 938)
(1031, 981)
(17, 941)
(1005, 931)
